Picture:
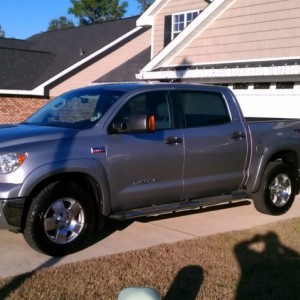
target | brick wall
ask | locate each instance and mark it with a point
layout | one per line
(16, 109)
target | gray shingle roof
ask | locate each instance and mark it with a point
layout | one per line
(26, 64)
(14, 44)
(126, 71)
(20, 69)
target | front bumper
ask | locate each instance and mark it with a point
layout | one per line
(11, 211)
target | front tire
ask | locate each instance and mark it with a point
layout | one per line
(277, 190)
(60, 219)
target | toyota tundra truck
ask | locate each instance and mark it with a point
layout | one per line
(125, 151)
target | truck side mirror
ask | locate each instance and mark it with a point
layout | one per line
(141, 123)
(118, 127)
(136, 123)
(139, 293)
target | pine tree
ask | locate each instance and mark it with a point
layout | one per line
(60, 23)
(97, 11)
(144, 4)
(2, 32)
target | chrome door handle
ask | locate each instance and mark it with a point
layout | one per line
(173, 140)
(238, 135)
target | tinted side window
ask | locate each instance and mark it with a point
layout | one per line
(155, 103)
(203, 108)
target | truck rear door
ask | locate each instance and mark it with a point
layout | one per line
(145, 168)
(215, 145)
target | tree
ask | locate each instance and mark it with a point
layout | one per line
(60, 23)
(97, 11)
(2, 32)
(144, 4)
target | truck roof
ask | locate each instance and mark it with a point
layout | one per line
(126, 87)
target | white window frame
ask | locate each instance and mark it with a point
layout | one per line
(179, 25)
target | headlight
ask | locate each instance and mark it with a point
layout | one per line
(9, 162)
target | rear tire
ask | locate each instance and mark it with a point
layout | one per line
(60, 220)
(277, 189)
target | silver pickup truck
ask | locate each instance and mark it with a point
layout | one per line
(129, 150)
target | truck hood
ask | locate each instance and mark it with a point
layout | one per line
(16, 134)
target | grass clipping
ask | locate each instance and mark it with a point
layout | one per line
(261, 263)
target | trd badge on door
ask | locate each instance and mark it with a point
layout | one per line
(96, 150)
(144, 181)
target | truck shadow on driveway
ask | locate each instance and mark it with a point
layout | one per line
(111, 226)
(195, 211)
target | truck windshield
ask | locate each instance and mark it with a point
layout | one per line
(80, 108)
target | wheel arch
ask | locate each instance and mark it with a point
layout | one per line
(97, 189)
(288, 157)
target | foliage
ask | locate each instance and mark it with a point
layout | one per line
(60, 23)
(97, 11)
(2, 32)
(144, 4)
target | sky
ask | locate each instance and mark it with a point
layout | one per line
(21, 19)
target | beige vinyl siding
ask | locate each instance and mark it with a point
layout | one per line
(104, 65)
(248, 30)
(172, 7)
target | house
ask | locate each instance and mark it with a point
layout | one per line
(252, 46)
(48, 64)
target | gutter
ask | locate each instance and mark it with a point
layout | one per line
(226, 71)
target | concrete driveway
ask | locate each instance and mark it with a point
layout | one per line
(17, 257)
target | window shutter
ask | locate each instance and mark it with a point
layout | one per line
(168, 30)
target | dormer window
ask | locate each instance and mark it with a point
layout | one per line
(180, 21)
(176, 23)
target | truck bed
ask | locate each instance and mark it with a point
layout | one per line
(267, 119)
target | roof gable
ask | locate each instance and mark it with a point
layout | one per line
(208, 15)
(73, 44)
(45, 57)
(234, 39)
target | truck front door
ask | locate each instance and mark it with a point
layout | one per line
(145, 168)
(215, 145)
